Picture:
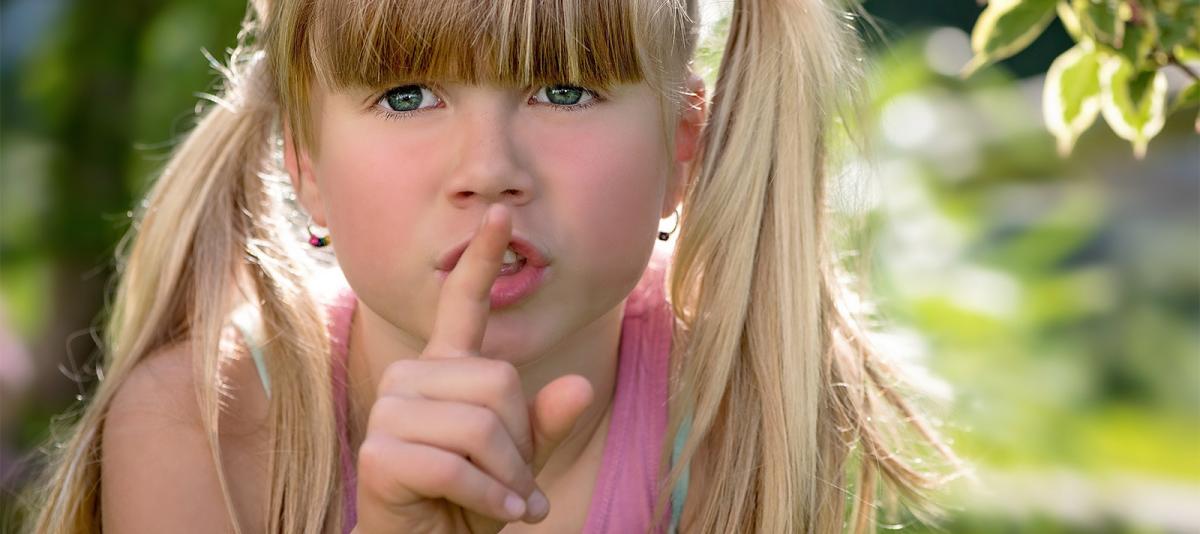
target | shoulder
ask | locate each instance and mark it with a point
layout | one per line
(158, 471)
(163, 387)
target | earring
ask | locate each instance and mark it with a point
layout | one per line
(663, 236)
(313, 238)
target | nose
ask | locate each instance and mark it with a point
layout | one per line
(490, 167)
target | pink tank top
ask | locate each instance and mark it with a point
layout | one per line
(627, 484)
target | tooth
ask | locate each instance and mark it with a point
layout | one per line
(510, 256)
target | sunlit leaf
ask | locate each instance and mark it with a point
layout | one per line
(1070, 21)
(1183, 53)
(1133, 102)
(1006, 27)
(1104, 20)
(1071, 100)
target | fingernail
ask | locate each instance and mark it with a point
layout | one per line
(538, 505)
(514, 506)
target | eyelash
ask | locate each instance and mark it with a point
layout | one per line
(400, 115)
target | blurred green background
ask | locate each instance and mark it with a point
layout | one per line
(1053, 303)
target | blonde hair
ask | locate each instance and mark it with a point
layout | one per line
(776, 376)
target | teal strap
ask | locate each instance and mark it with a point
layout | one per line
(679, 493)
(256, 353)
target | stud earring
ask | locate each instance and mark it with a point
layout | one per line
(663, 236)
(313, 238)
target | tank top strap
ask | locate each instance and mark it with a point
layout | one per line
(679, 492)
(340, 314)
(629, 480)
(338, 307)
(656, 309)
(247, 325)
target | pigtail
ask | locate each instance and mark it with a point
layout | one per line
(212, 235)
(777, 379)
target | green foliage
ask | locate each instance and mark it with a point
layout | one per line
(1007, 27)
(1133, 101)
(1056, 298)
(1116, 69)
(1071, 99)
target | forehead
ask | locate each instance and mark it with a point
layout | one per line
(373, 43)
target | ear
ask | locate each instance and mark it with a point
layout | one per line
(687, 140)
(300, 169)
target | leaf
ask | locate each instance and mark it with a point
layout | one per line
(1006, 27)
(1187, 98)
(1070, 21)
(1133, 102)
(1139, 43)
(1178, 29)
(1071, 99)
(1185, 54)
(1104, 20)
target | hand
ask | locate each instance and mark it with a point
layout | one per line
(451, 435)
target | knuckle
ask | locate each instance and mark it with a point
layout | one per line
(486, 431)
(503, 379)
(484, 426)
(386, 408)
(372, 455)
(382, 472)
(447, 470)
(396, 374)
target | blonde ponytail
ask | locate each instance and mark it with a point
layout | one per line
(211, 235)
(776, 376)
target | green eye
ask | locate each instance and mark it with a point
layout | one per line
(567, 97)
(407, 98)
(564, 95)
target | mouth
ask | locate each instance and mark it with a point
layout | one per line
(520, 252)
(522, 273)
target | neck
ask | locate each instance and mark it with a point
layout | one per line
(590, 352)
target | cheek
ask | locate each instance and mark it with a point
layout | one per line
(613, 189)
(369, 202)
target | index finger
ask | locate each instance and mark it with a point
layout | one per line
(465, 300)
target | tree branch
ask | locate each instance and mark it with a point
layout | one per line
(1183, 66)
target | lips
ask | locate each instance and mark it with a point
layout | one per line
(533, 255)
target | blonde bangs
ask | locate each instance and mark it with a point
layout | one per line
(352, 45)
(376, 43)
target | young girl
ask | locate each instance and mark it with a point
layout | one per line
(510, 348)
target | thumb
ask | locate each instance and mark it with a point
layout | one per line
(555, 411)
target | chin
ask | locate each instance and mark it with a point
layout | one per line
(518, 356)
(510, 342)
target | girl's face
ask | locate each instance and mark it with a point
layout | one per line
(402, 178)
